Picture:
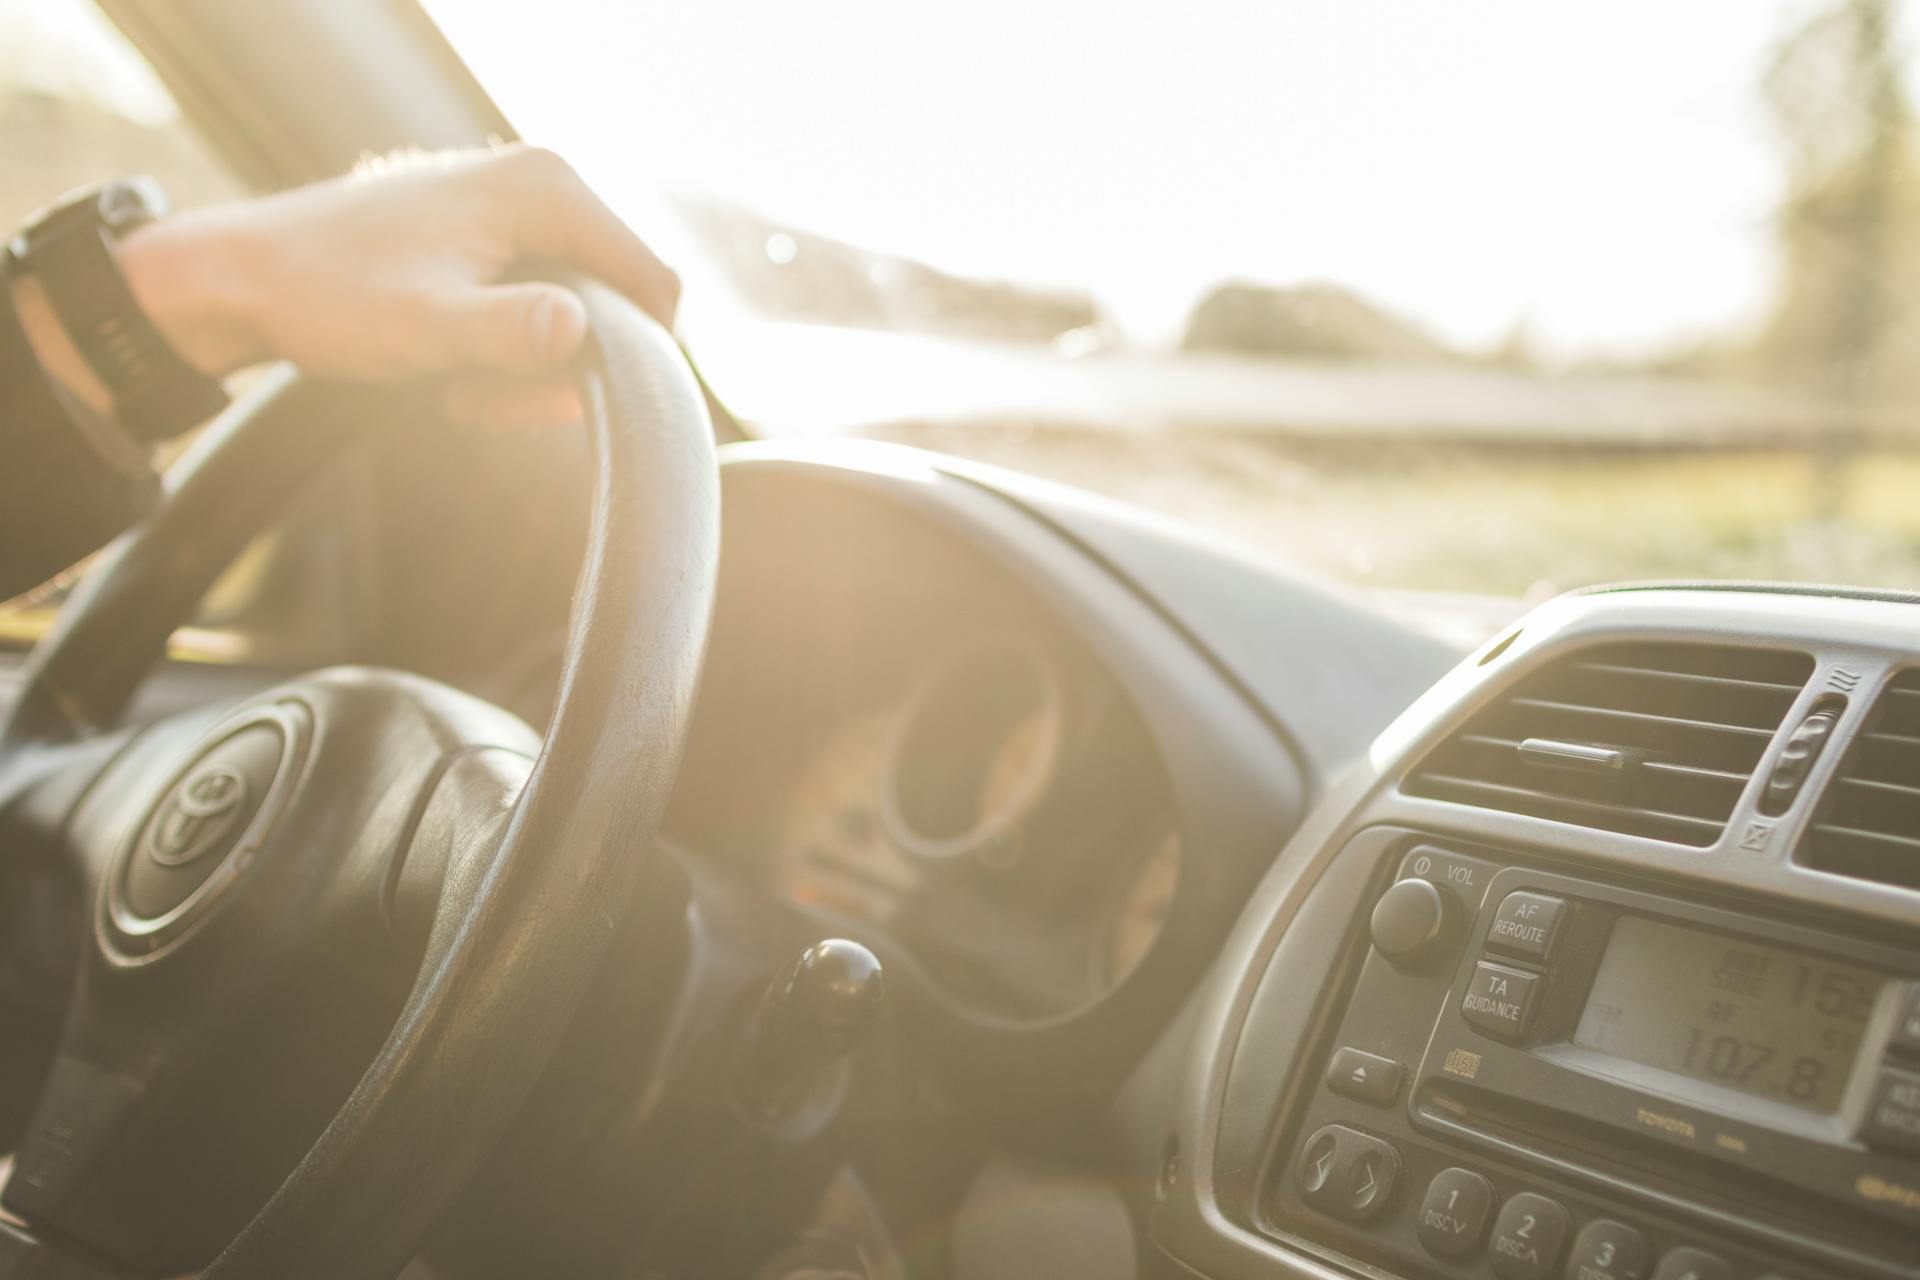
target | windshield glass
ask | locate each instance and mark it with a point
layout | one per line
(1492, 297)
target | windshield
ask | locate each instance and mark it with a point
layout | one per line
(1481, 297)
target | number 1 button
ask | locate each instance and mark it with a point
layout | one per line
(1453, 1217)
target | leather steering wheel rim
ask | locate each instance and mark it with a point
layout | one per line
(504, 972)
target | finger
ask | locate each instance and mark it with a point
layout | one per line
(515, 328)
(495, 401)
(560, 219)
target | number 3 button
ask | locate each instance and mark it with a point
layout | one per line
(1528, 1238)
(1608, 1250)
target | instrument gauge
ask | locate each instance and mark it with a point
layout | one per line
(976, 754)
(831, 850)
(1143, 909)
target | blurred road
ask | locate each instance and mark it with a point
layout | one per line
(794, 378)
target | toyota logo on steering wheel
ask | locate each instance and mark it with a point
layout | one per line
(197, 816)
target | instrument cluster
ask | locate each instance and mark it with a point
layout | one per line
(1003, 817)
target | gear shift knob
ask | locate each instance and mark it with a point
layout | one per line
(814, 1012)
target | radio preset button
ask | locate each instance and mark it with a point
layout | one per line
(1687, 1263)
(1608, 1250)
(1453, 1217)
(1499, 1001)
(1527, 924)
(1528, 1238)
(1893, 1117)
(1366, 1076)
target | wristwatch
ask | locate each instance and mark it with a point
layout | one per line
(69, 249)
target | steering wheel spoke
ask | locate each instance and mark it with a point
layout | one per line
(455, 840)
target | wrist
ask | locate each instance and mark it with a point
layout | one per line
(191, 275)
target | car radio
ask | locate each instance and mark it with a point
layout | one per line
(1541, 1075)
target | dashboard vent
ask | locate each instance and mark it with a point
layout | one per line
(1646, 739)
(1868, 823)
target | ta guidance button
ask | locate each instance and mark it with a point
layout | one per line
(1500, 1000)
(1367, 1077)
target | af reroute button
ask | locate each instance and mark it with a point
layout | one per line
(1526, 925)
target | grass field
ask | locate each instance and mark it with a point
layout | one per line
(1504, 522)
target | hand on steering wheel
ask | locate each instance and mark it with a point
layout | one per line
(395, 273)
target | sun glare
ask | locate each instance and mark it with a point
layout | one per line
(1600, 176)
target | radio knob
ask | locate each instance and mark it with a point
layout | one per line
(1411, 922)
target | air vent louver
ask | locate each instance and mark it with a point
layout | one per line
(1868, 823)
(1647, 739)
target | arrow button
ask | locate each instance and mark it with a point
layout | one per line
(1316, 1165)
(1346, 1173)
(1367, 1184)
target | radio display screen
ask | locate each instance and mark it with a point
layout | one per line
(1765, 1020)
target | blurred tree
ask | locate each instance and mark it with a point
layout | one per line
(1842, 323)
(1319, 321)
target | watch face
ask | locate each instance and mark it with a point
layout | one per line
(128, 203)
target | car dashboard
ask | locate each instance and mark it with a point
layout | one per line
(1235, 927)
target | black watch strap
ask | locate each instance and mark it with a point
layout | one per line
(69, 249)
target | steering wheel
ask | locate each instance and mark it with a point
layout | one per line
(332, 933)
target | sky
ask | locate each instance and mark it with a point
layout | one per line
(1600, 173)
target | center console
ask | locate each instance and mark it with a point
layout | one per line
(1537, 1074)
(1603, 965)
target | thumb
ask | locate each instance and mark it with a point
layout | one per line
(514, 328)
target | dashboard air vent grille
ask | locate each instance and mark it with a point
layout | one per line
(1648, 739)
(1868, 823)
